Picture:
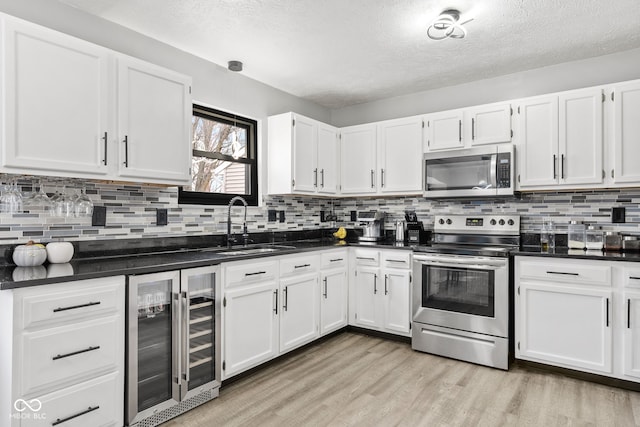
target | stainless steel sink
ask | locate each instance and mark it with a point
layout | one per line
(249, 250)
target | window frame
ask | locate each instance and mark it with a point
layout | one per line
(251, 159)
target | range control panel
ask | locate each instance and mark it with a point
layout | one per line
(485, 224)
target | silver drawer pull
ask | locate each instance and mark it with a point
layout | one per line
(302, 266)
(255, 274)
(73, 307)
(634, 277)
(397, 260)
(79, 414)
(86, 350)
(562, 272)
(367, 258)
(336, 260)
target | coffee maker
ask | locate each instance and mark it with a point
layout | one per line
(372, 226)
(416, 234)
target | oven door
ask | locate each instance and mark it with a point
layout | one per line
(462, 292)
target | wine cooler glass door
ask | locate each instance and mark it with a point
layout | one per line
(199, 335)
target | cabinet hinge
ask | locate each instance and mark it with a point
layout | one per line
(603, 174)
(518, 178)
(293, 183)
(604, 97)
(518, 345)
(428, 143)
(612, 174)
(511, 133)
(518, 290)
(409, 325)
(428, 124)
(189, 89)
(612, 95)
(190, 171)
(224, 301)
(423, 124)
(511, 109)
(410, 278)
(355, 273)
(355, 315)
(518, 109)
(224, 365)
(293, 122)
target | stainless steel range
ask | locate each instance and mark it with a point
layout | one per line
(461, 288)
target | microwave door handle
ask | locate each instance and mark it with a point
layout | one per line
(493, 171)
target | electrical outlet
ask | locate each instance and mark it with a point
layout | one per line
(281, 216)
(322, 216)
(99, 216)
(354, 215)
(618, 215)
(272, 215)
(162, 217)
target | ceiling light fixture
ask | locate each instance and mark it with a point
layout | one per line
(235, 66)
(447, 25)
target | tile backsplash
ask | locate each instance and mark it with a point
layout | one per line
(131, 212)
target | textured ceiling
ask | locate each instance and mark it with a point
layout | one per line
(345, 52)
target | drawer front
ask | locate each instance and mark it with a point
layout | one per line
(333, 259)
(632, 278)
(396, 259)
(50, 305)
(367, 257)
(97, 402)
(566, 271)
(242, 272)
(299, 264)
(58, 357)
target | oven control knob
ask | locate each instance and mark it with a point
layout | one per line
(510, 222)
(441, 221)
(501, 222)
(449, 222)
(492, 222)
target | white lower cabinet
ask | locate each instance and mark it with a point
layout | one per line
(334, 288)
(579, 314)
(299, 316)
(69, 369)
(380, 291)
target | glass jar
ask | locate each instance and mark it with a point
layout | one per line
(612, 241)
(630, 244)
(547, 236)
(576, 236)
(594, 238)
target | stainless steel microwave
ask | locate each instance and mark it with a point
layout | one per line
(486, 171)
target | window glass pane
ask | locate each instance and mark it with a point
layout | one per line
(217, 137)
(219, 176)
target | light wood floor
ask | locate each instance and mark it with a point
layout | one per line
(354, 379)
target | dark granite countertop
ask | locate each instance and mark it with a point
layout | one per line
(578, 254)
(112, 259)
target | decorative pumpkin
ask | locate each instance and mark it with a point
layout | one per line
(59, 252)
(29, 273)
(59, 270)
(30, 254)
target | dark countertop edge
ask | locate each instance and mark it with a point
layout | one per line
(213, 259)
(590, 255)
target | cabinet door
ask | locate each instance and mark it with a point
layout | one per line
(580, 137)
(490, 124)
(397, 290)
(328, 159)
(358, 167)
(55, 102)
(333, 300)
(300, 311)
(400, 156)
(444, 130)
(626, 98)
(632, 334)
(154, 122)
(565, 326)
(537, 141)
(305, 148)
(250, 326)
(366, 288)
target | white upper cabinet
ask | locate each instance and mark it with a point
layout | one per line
(303, 156)
(154, 122)
(71, 111)
(581, 137)
(626, 133)
(55, 102)
(358, 154)
(537, 141)
(444, 130)
(560, 140)
(400, 156)
(489, 124)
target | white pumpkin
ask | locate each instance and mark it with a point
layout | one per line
(30, 254)
(59, 252)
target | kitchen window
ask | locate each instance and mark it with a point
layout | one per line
(224, 162)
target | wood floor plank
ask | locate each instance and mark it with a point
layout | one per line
(353, 379)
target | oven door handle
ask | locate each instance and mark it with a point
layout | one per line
(460, 260)
(469, 264)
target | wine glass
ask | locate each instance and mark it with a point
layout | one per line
(11, 198)
(83, 204)
(38, 199)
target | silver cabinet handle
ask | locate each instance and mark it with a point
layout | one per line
(362, 257)
(337, 259)
(460, 130)
(562, 166)
(375, 283)
(396, 260)
(73, 353)
(322, 178)
(104, 162)
(302, 266)
(382, 177)
(126, 151)
(325, 288)
(285, 298)
(563, 272)
(275, 309)
(185, 336)
(607, 302)
(372, 183)
(79, 414)
(555, 169)
(473, 128)
(255, 273)
(315, 177)
(628, 313)
(74, 307)
(386, 290)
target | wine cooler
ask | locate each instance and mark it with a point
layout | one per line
(173, 344)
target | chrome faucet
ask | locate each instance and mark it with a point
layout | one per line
(245, 235)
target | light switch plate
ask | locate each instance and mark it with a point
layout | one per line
(161, 217)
